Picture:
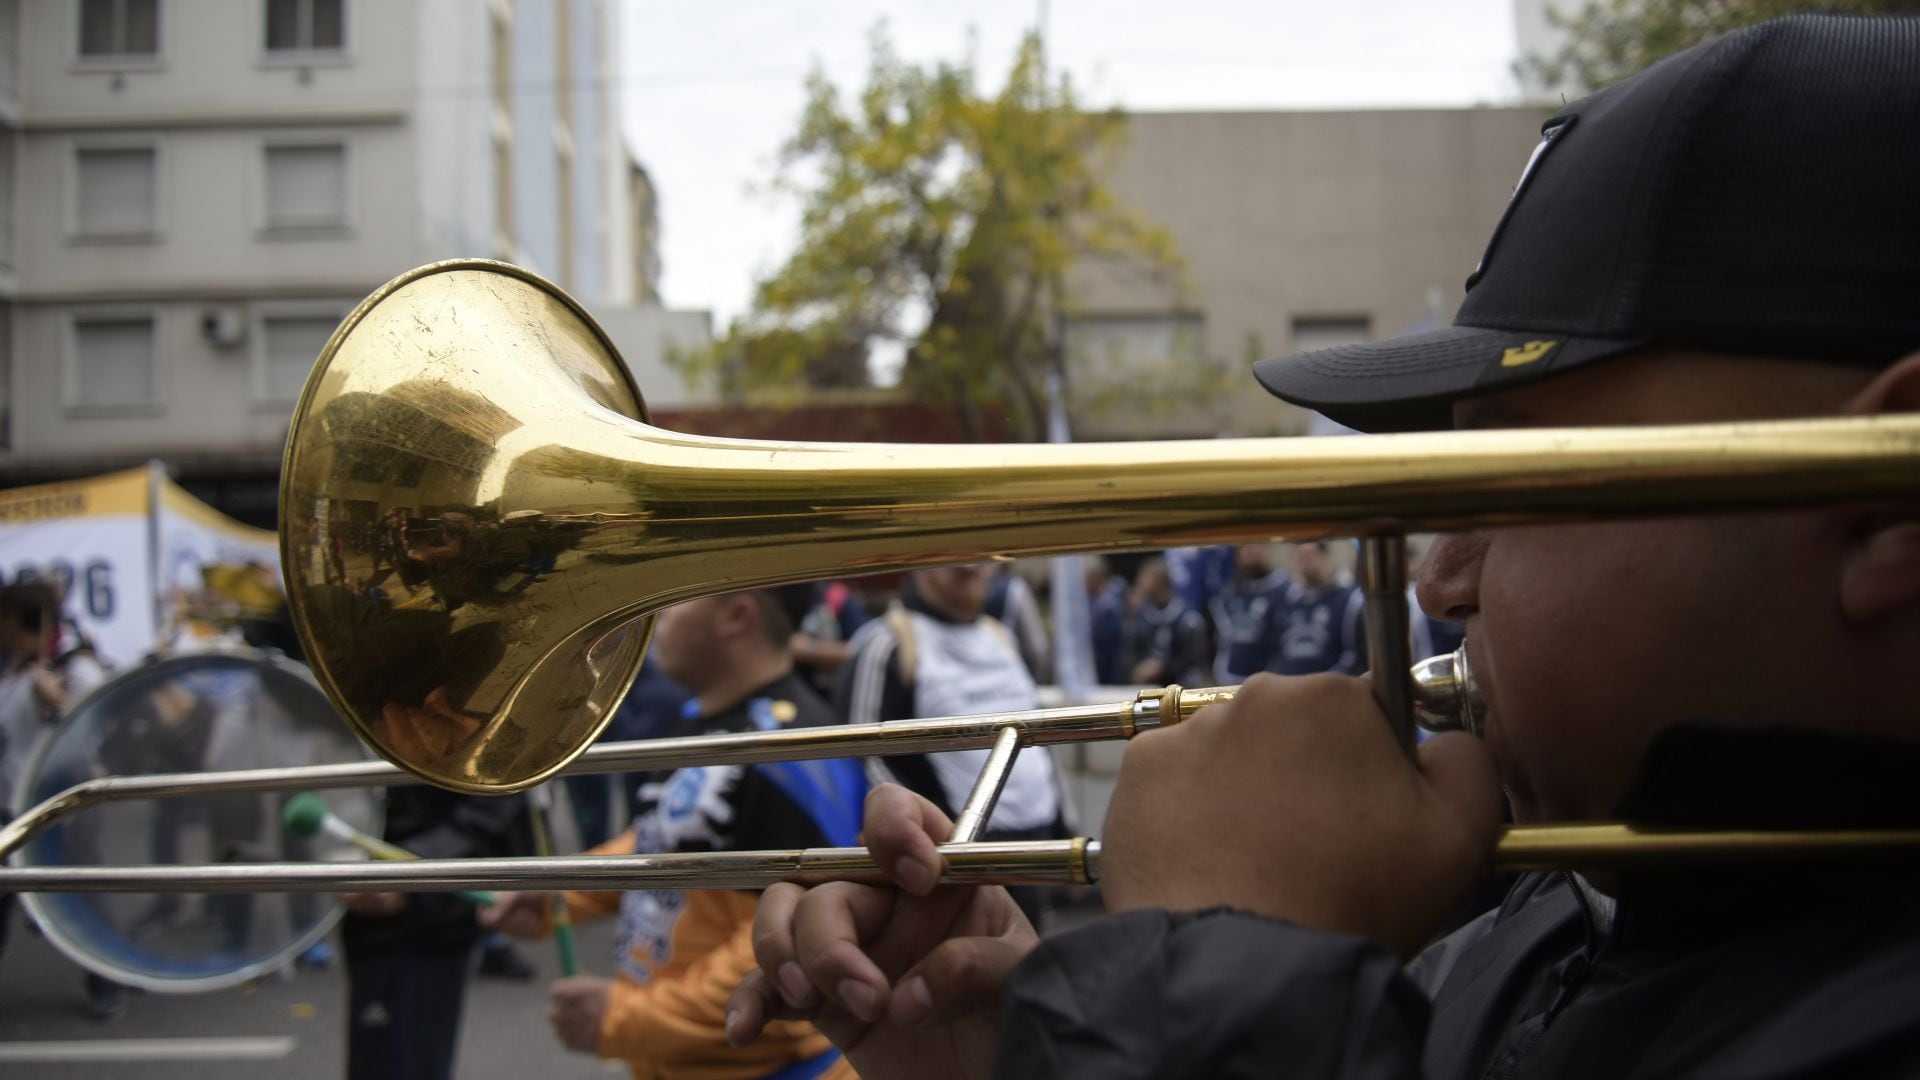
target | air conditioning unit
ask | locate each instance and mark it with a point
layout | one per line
(224, 326)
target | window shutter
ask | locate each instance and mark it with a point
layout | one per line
(293, 343)
(114, 362)
(306, 186)
(116, 192)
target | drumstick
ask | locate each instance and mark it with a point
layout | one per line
(306, 815)
(537, 801)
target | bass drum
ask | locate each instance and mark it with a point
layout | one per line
(193, 712)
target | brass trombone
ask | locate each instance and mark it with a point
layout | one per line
(478, 524)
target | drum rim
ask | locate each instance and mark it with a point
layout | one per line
(37, 905)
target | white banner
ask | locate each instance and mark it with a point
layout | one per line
(103, 540)
(92, 538)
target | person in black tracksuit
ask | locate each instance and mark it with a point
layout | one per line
(1728, 236)
(1166, 640)
(1320, 619)
(408, 955)
(1246, 615)
(1107, 602)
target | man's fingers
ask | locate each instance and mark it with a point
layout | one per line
(755, 1002)
(960, 978)
(829, 930)
(773, 946)
(901, 829)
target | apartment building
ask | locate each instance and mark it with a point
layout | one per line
(196, 191)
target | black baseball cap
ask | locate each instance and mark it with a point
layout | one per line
(1756, 194)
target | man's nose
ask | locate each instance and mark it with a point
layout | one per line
(1448, 586)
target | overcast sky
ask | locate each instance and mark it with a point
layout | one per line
(712, 87)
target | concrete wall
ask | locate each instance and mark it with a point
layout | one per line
(535, 116)
(586, 106)
(1285, 217)
(452, 131)
(644, 335)
(612, 220)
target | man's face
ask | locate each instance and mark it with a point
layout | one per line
(1312, 566)
(958, 592)
(686, 643)
(17, 640)
(1589, 639)
(1155, 586)
(1252, 561)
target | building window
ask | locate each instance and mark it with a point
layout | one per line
(113, 363)
(116, 29)
(289, 344)
(306, 186)
(116, 192)
(1117, 346)
(306, 25)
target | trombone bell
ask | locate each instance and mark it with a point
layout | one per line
(428, 502)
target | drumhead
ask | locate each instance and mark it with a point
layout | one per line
(194, 712)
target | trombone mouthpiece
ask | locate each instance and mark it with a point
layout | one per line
(1445, 697)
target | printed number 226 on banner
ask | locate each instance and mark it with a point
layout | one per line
(89, 586)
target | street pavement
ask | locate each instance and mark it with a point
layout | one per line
(287, 1029)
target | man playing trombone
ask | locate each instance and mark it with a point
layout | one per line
(1729, 236)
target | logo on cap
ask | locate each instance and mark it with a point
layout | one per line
(1522, 355)
(1549, 135)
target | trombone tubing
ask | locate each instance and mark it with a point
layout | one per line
(1520, 849)
(1038, 727)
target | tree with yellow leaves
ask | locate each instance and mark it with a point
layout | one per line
(942, 220)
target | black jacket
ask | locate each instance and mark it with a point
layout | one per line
(1800, 971)
(434, 823)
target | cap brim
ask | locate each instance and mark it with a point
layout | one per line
(1410, 382)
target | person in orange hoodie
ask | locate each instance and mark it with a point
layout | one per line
(679, 954)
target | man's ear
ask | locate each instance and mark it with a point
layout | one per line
(1897, 389)
(739, 614)
(1881, 574)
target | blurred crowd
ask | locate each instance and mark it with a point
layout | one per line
(1198, 616)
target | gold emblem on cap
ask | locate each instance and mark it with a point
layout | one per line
(1521, 355)
(783, 711)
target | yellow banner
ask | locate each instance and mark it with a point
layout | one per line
(121, 493)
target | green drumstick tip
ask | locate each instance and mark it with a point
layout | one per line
(304, 814)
